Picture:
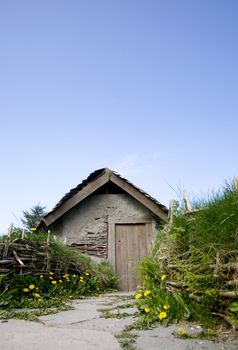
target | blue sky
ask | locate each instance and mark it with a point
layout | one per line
(147, 88)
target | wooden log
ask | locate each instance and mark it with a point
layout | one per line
(228, 294)
(7, 261)
(5, 270)
(227, 319)
(187, 203)
(223, 267)
(232, 283)
(17, 258)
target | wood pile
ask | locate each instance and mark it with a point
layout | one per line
(23, 256)
(99, 250)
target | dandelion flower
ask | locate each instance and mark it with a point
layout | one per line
(162, 315)
(74, 276)
(163, 277)
(181, 330)
(33, 229)
(147, 309)
(147, 292)
(51, 273)
(138, 295)
(36, 295)
(166, 307)
(54, 282)
(26, 290)
(31, 286)
(86, 273)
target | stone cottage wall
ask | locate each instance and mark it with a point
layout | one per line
(86, 225)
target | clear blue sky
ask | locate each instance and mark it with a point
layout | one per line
(148, 88)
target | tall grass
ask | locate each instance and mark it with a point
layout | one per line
(192, 254)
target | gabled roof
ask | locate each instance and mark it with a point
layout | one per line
(93, 182)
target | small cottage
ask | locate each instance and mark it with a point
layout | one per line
(109, 218)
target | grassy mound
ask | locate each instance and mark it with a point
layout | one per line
(192, 272)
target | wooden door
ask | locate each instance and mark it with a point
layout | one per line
(131, 247)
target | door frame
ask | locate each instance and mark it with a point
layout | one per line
(112, 222)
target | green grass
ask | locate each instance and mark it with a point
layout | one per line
(192, 254)
(64, 275)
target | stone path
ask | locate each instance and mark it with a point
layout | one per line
(84, 328)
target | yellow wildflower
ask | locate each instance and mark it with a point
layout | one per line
(26, 290)
(31, 286)
(66, 275)
(147, 292)
(97, 288)
(50, 277)
(54, 282)
(51, 273)
(36, 295)
(181, 330)
(162, 315)
(74, 276)
(163, 277)
(138, 295)
(41, 277)
(33, 229)
(86, 273)
(147, 309)
(60, 281)
(81, 281)
(166, 307)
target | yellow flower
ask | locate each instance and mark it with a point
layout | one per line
(181, 330)
(74, 276)
(26, 290)
(60, 281)
(33, 229)
(81, 281)
(50, 277)
(166, 307)
(147, 292)
(81, 278)
(138, 296)
(51, 273)
(66, 275)
(36, 295)
(54, 282)
(147, 309)
(163, 277)
(41, 276)
(97, 288)
(162, 315)
(86, 273)
(31, 286)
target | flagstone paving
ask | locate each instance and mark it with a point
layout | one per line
(85, 328)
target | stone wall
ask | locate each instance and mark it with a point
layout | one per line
(86, 225)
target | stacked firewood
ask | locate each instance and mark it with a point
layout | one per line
(22, 256)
